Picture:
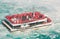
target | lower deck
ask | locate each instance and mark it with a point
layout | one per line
(31, 25)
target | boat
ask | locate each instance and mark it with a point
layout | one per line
(26, 20)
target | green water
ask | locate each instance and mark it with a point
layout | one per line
(50, 8)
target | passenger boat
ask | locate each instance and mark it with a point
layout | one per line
(26, 20)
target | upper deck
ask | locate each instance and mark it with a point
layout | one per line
(27, 17)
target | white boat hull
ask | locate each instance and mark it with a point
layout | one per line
(36, 26)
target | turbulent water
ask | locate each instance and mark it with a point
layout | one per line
(48, 7)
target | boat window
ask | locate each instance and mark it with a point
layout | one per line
(29, 16)
(17, 27)
(23, 18)
(40, 16)
(33, 24)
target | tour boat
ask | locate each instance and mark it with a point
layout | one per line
(26, 20)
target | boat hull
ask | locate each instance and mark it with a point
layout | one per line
(44, 24)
